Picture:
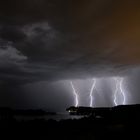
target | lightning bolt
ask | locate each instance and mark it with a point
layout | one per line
(75, 94)
(121, 89)
(119, 83)
(116, 91)
(91, 92)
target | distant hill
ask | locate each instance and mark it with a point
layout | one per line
(8, 112)
(121, 111)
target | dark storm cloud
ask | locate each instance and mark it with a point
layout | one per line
(72, 38)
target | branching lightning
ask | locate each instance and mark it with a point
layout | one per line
(121, 89)
(91, 92)
(75, 94)
(116, 91)
(119, 83)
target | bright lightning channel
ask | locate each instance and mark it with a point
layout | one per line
(116, 91)
(75, 94)
(91, 92)
(121, 89)
(119, 83)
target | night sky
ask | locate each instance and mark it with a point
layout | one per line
(45, 44)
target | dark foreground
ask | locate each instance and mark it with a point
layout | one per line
(124, 123)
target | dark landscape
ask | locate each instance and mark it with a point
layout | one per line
(120, 122)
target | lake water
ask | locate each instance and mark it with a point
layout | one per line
(59, 116)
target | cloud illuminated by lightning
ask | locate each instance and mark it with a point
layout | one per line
(75, 94)
(91, 92)
(119, 88)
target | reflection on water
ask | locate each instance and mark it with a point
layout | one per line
(59, 116)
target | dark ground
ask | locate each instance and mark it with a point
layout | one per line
(120, 125)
